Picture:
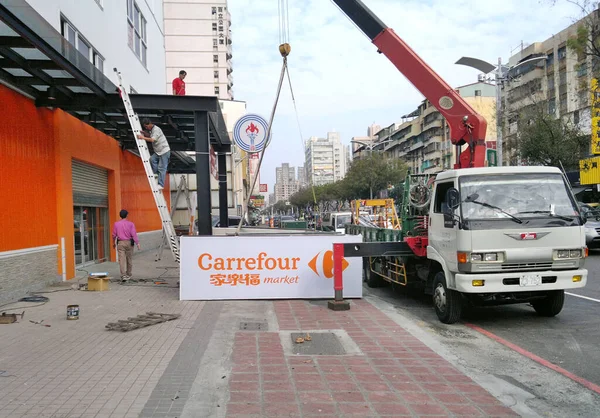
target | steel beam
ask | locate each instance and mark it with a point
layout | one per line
(223, 204)
(203, 173)
(377, 249)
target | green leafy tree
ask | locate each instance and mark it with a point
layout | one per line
(543, 139)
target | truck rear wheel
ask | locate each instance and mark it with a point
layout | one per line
(372, 279)
(448, 303)
(551, 305)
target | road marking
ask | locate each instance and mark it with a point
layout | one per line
(591, 386)
(583, 297)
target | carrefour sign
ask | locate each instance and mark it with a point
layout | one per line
(269, 267)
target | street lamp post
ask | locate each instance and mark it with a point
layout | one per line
(501, 75)
(370, 148)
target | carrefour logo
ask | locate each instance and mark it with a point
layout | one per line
(322, 264)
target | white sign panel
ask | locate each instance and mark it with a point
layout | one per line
(265, 267)
(250, 133)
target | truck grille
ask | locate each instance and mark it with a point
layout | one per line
(527, 266)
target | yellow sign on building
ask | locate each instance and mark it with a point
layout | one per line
(589, 171)
(595, 110)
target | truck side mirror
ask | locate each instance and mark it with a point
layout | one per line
(452, 198)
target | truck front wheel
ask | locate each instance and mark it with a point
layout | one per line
(551, 305)
(447, 303)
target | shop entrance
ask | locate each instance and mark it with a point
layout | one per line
(91, 234)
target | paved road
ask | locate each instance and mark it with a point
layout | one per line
(571, 340)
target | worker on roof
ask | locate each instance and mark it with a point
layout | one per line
(162, 152)
(179, 84)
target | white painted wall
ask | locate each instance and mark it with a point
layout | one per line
(189, 37)
(105, 28)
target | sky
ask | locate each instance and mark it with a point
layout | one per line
(340, 83)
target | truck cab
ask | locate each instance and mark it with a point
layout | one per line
(500, 235)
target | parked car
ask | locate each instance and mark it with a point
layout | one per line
(592, 225)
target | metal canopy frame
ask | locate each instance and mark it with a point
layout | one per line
(38, 61)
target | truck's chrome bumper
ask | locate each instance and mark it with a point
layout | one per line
(511, 282)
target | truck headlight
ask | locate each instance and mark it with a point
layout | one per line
(569, 254)
(486, 257)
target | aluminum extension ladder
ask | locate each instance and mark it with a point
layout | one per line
(182, 188)
(159, 198)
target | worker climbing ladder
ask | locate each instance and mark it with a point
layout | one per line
(159, 198)
(182, 188)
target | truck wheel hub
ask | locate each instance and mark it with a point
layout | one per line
(439, 297)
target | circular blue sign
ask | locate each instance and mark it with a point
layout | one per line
(250, 133)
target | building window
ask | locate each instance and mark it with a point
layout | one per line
(75, 38)
(576, 117)
(215, 44)
(550, 59)
(477, 93)
(562, 53)
(137, 37)
(216, 59)
(217, 90)
(216, 75)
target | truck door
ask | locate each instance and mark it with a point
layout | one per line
(442, 236)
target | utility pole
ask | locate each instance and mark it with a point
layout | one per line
(499, 79)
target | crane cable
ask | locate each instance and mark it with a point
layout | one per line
(312, 186)
(284, 50)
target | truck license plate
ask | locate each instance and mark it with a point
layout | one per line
(531, 280)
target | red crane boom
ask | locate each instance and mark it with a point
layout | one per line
(466, 125)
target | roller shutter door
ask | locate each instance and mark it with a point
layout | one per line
(90, 185)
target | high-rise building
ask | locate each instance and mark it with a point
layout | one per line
(198, 40)
(422, 140)
(285, 182)
(553, 77)
(325, 159)
(301, 177)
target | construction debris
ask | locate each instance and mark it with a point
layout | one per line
(10, 318)
(141, 321)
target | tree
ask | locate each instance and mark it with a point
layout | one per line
(365, 176)
(371, 174)
(543, 139)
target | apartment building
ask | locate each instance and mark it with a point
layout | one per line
(134, 44)
(549, 77)
(285, 182)
(422, 138)
(301, 177)
(325, 159)
(198, 40)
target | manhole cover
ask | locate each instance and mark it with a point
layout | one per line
(321, 344)
(254, 326)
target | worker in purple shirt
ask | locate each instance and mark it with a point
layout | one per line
(124, 238)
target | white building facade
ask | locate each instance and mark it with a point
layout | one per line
(124, 34)
(285, 182)
(325, 159)
(198, 40)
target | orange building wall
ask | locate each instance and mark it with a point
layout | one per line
(38, 146)
(79, 141)
(136, 195)
(27, 186)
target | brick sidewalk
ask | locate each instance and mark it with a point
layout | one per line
(78, 369)
(397, 375)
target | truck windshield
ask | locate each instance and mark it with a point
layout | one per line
(342, 220)
(526, 195)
